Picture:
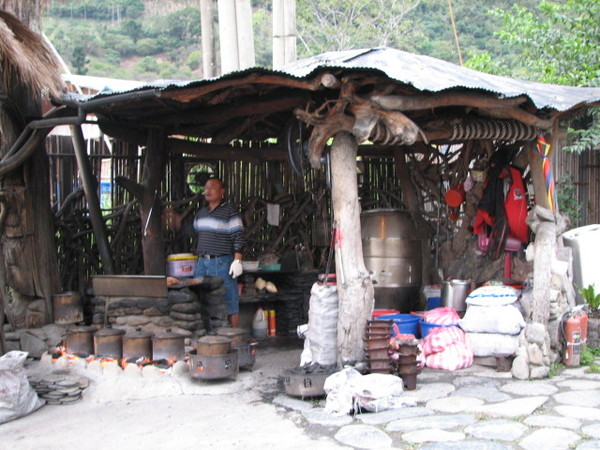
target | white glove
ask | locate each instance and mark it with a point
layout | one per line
(235, 270)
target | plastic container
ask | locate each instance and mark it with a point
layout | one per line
(585, 244)
(181, 265)
(433, 302)
(426, 327)
(407, 323)
(260, 326)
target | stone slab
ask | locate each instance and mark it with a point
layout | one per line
(432, 435)
(512, 408)
(454, 404)
(439, 422)
(543, 420)
(363, 436)
(550, 438)
(529, 388)
(389, 415)
(579, 398)
(498, 430)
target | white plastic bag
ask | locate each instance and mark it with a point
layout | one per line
(492, 344)
(17, 397)
(348, 390)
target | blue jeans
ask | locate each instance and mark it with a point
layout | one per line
(219, 267)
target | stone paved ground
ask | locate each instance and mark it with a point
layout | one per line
(474, 408)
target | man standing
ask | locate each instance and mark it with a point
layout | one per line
(220, 244)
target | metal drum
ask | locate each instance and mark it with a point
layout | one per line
(392, 251)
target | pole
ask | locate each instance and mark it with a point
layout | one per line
(91, 194)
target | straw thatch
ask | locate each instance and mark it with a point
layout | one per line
(26, 59)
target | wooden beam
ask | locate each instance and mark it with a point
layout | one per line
(503, 108)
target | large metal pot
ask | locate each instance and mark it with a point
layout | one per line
(454, 294)
(137, 345)
(67, 308)
(392, 252)
(169, 346)
(213, 346)
(108, 343)
(238, 336)
(80, 341)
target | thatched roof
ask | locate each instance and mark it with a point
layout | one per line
(26, 59)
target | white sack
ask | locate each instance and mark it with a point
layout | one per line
(17, 397)
(492, 344)
(492, 319)
(322, 324)
(348, 390)
(493, 296)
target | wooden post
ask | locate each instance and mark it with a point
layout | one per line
(208, 44)
(245, 35)
(278, 34)
(153, 247)
(355, 288)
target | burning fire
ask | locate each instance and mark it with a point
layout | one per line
(61, 352)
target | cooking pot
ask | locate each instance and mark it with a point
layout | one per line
(238, 336)
(137, 344)
(168, 345)
(80, 340)
(108, 343)
(66, 308)
(213, 346)
(454, 294)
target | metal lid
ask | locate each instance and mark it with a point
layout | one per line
(82, 329)
(109, 331)
(168, 334)
(214, 340)
(138, 334)
(231, 332)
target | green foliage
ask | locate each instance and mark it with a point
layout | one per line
(79, 61)
(586, 357)
(194, 59)
(590, 296)
(147, 64)
(594, 368)
(566, 193)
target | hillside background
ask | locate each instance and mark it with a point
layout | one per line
(160, 39)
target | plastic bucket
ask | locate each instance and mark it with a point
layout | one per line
(426, 327)
(407, 323)
(433, 302)
(181, 265)
(383, 312)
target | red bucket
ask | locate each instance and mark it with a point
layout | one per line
(383, 312)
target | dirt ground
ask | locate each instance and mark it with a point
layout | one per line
(164, 411)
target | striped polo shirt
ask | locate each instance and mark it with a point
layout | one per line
(220, 231)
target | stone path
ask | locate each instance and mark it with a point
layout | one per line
(474, 408)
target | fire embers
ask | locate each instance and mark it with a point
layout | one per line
(59, 387)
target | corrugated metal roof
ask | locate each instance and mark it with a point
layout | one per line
(434, 75)
(424, 73)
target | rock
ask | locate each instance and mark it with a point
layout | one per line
(33, 345)
(534, 353)
(187, 308)
(535, 333)
(182, 316)
(537, 372)
(520, 368)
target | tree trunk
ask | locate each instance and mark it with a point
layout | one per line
(355, 289)
(208, 39)
(30, 267)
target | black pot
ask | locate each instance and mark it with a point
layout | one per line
(168, 345)
(137, 344)
(108, 343)
(80, 341)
